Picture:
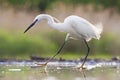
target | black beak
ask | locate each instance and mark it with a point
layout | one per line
(31, 25)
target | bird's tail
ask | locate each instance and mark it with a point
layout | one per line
(99, 27)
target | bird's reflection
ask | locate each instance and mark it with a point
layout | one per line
(44, 70)
(47, 71)
(83, 74)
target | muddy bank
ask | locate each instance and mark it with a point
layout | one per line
(43, 59)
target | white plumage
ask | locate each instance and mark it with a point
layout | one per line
(76, 28)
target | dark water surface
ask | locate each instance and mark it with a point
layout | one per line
(59, 71)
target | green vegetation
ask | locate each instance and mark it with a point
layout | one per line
(13, 45)
(42, 5)
(18, 45)
(22, 46)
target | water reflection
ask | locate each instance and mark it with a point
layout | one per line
(59, 72)
(62, 74)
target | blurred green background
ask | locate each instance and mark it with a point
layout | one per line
(16, 16)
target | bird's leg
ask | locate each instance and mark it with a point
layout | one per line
(88, 50)
(59, 50)
(54, 55)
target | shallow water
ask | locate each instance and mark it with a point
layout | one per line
(59, 71)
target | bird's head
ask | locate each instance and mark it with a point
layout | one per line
(37, 18)
(41, 17)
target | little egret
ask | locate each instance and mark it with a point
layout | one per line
(76, 28)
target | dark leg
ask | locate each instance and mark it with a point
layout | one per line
(88, 50)
(57, 51)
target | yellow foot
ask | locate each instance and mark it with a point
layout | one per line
(45, 67)
(81, 68)
(42, 65)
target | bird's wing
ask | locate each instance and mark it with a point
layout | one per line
(84, 30)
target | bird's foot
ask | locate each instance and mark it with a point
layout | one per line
(41, 65)
(81, 68)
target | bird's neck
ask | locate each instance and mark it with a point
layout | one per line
(49, 19)
(53, 24)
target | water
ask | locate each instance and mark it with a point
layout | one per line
(25, 70)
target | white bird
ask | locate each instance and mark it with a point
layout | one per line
(76, 28)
